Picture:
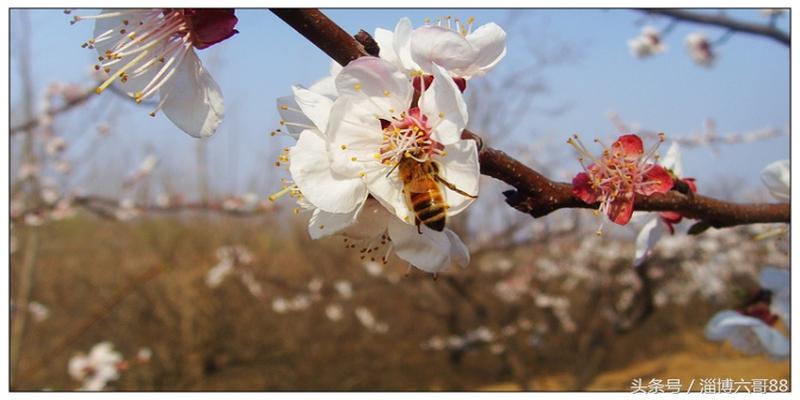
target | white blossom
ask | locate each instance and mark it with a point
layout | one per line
(647, 44)
(334, 312)
(449, 43)
(699, 49)
(748, 334)
(149, 53)
(96, 369)
(776, 178)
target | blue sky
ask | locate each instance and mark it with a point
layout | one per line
(747, 89)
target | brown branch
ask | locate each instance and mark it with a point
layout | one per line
(723, 21)
(323, 32)
(534, 193)
(91, 202)
(71, 103)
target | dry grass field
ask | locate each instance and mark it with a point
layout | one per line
(143, 284)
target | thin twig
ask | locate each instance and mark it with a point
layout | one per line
(723, 21)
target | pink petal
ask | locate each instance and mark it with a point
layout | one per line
(621, 209)
(631, 145)
(582, 188)
(658, 175)
(691, 183)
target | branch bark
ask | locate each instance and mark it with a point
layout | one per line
(534, 193)
(723, 21)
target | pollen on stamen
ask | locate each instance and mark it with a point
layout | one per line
(354, 158)
(386, 93)
(343, 147)
(284, 107)
(357, 87)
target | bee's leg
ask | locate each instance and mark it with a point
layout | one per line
(454, 188)
(419, 225)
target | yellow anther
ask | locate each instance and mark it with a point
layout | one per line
(441, 115)
(354, 158)
(284, 107)
(343, 147)
(362, 174)
(296, 210)
(386, 93)
(322, 227)
(357, 86)
(282, 122)
(470, 20)
(376, 156)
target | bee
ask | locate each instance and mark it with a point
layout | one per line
(423, 194)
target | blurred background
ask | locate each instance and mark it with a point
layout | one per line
(126, 230)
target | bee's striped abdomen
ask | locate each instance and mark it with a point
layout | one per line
(430, 208)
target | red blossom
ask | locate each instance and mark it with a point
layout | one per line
(618, 175)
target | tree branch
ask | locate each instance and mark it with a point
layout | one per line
(71, 103)
(723, 21)
(533, 193)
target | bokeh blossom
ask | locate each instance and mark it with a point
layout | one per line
(96, 369)
(751, 328)
(699, 49)
(647, 44)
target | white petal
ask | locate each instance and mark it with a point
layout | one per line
(672, 160)
(384, 89)
(385, 40)
(371, 222)
(134, 82)
(647, 238)
(776, 177)
(434, 44)
(738, 329)
(402, 44)
(311, 170)
(461, 168)
(459, 253)
(724, 323)
(489, 41)
(774, 342)
(389, 192)
(445, 108)
(294, 121)
(353, 132)
(777, 281)
(324, 224)
(327, 85)
(194, 100)
(315, 106)
(429, 251)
